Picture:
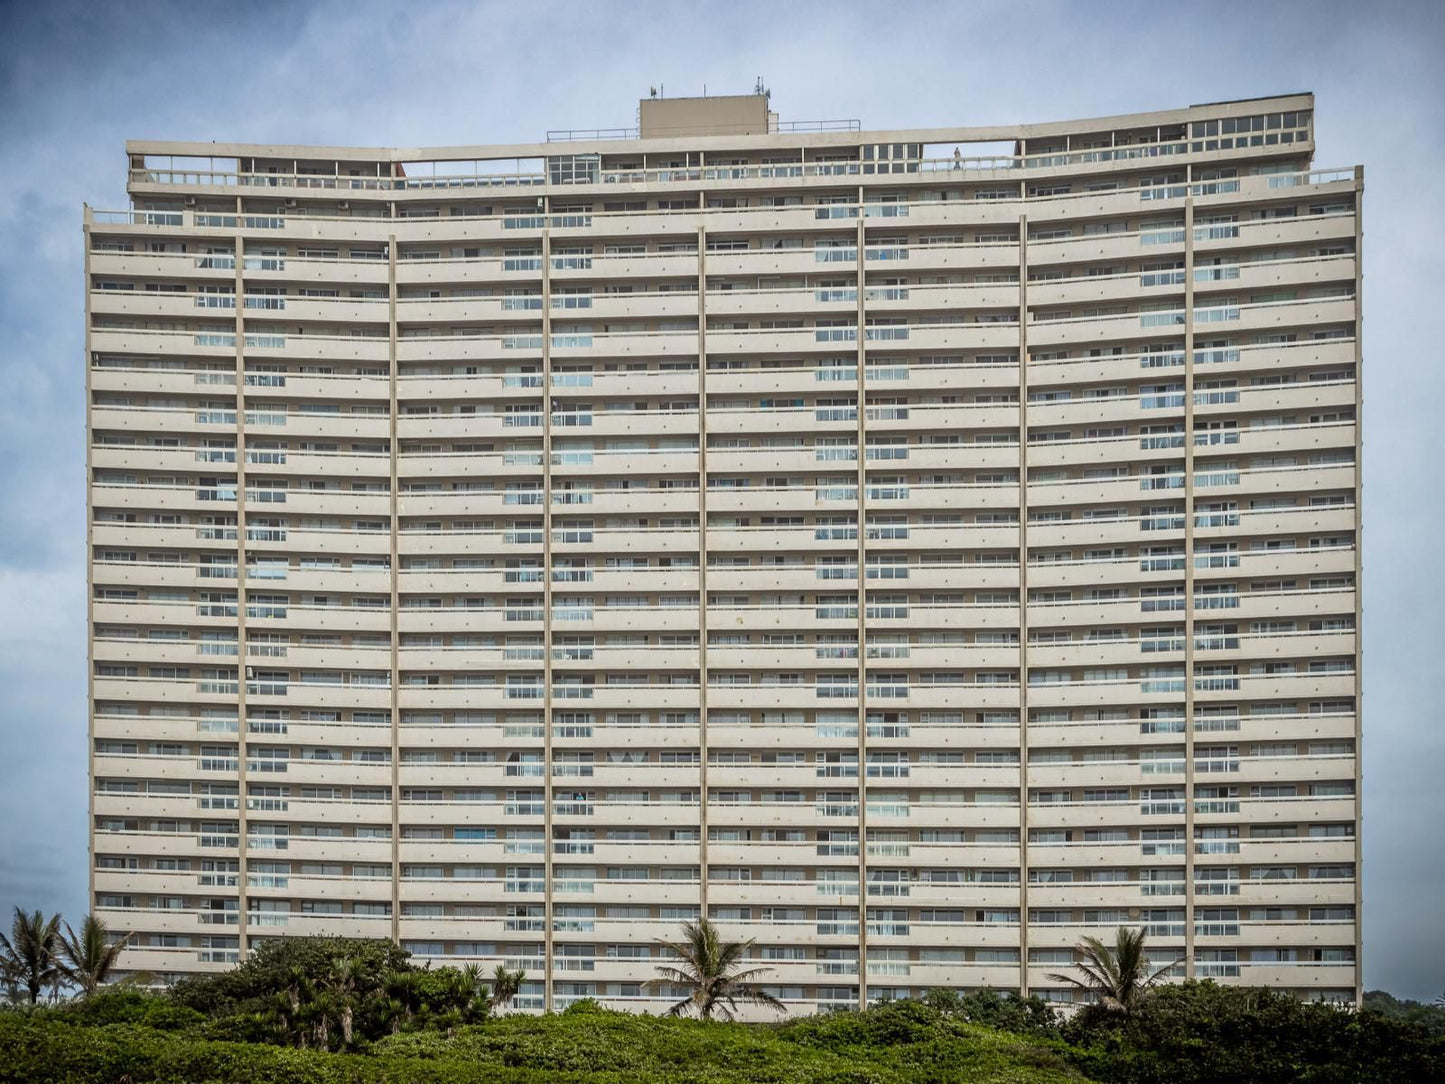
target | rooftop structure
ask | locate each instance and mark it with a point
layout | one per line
(913, 549)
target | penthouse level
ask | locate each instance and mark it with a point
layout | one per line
(913, 560)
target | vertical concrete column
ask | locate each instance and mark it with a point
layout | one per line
(90, 776)
(1359, 573)
(702, 556)
(547, 790)
(242, 589)
(1189, 652)
(1023, 539)
(862, 440)
(393, 457)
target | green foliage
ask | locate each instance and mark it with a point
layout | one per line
(270, 965)
(1118, 976)
(894, 1044)
(1429, 1016)
(711, 971)
(1006, 1012)
(590, 1045)
(87, 958)
(333, 994)
(1203, 1033)
(28, 957)
(505, 986)
(582, 1006)
(126, 1005)
(441, 998)
(331, 1011)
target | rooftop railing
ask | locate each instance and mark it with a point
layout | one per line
(1264, 184)
(831, 167)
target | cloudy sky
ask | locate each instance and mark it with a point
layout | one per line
(76, 80)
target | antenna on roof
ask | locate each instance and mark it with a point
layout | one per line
(654, 93)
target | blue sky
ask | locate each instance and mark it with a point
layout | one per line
(77, 80)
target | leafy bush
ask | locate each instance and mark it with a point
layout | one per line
(1007, 1012)
(332, 994)
(126, 1005)
(582, 1006)
(268, 967)
(1204, 1033)
(588, 1046)
(1430, 1017)
(1192, 1033)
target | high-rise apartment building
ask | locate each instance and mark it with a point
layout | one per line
(911, 559)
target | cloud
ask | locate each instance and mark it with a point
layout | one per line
(79, 79)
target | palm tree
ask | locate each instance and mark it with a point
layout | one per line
(476, 999)
(319, 1012)
(506, 985)
(279, 1016)
(343, 981)
(288, 1012)
(392, 1011)
(402, 993)
(297, 988)
(709, 967)
(29, 952)
(1119, 977)
(87, 960)
(9, 979)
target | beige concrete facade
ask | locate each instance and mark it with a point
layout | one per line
(913, 559)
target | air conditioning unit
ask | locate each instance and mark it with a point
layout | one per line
(344, 205)
(290, 203)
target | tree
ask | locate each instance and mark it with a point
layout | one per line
(1198, 1032)
(1119, 977)
(403, 993)
(476, 998)
(1007, 1012)
(88, 959)
(1427, 1014)
(285, 1011)
(29, 952)
(506, 985)
(343, 983)
(270, 965)
(709, 968)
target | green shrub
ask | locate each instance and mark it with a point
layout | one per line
(126, 1005)
(268, 965)
(589, 1046)
(1192, 1033)
(1430, 1017)
(1204, 1033)
(582, 1006)
(1007, 1012)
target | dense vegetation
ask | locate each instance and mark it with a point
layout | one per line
(1430, 1016)
(903, 1043)
(325, 1011)
(1203, 1033)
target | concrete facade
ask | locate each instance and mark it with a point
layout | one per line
(914, 560)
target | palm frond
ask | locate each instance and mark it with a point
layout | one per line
(713, 970)
(1117, 974)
